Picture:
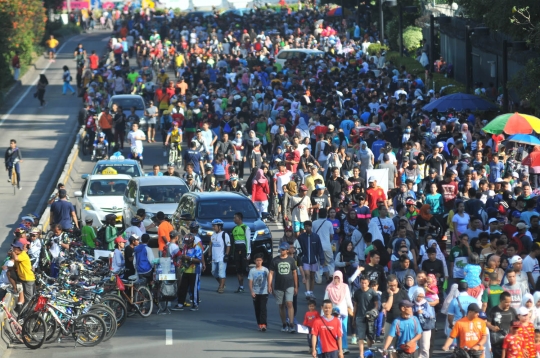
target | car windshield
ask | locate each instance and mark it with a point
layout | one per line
(161, 194)
(225, 209)
(107, 187)
(127, 103)
(118, 168)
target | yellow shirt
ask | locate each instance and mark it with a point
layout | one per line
(24, 267)
(52, 43)
(310, 182)
(179, 60)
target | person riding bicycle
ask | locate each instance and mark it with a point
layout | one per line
(174, 137)
(12, 158)
(100, 147)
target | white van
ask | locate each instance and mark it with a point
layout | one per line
(300, 53)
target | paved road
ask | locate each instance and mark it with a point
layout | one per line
(223, 327)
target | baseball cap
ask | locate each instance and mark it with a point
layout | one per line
(331, 127)
(405, 303)
(320, 187)
(516, 214)
(88, 220)
(372, 179)
(18, 245)
(303, 188)
(35, 230)
(346, 202)
(482, 315)
(522, 226)
(515, 259)
(189, 176)
(440, 145)
(516, 324)
(522, 311)
(433, 171)
(473, 307)
(119, 239)
(257, 142)
(134, 238)
(515, 174)
(499, 180)
(493, 220)
(284, 246)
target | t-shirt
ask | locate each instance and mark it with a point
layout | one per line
(164, 230)
(464, 301)
(373, 195)
(433, 267)
(397, 298)
(408, 329)
(516, 292)
(24, 267)
(61, 211)
(375, 273)
(136, 144)
(468, 331)
(259, 277)
(531, 265)
(461, 222)
(514, 345)
(219, 240)
(88, 235)
(492, 296)
(502, 319)
(365, 301)
(328, 332)
(460, 258)
(128, 254)
(310, 317)
(284, 271)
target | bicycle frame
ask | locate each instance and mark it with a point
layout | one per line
(12, 320)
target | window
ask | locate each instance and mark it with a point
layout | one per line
(283, 55)
(127, 103)
(161, 194)
(128, 169)
(225, 209)
(131, 190)
(107, 187)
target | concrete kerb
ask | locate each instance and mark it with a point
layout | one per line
(65, 175)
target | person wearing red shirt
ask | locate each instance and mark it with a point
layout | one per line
(449, 189)
(309, 318)
(93, 60)
(327, 330)
(374, 194)
(292, 158)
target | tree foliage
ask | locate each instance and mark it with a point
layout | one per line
(412, 36)
(22, 25)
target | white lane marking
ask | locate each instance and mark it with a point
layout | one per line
(168, 337)
(31, 87)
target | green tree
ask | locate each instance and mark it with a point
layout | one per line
(412, 36)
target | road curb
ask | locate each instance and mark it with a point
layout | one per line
(44, 221)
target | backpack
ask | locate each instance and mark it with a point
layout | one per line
(100, 236)
(327, 149)
(517, 240)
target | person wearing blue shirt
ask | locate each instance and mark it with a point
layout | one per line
(193, 157)
(378, 145)
(496, 169)
(406, 329)
(365, 115)
(347, 125)
(155, 172)
(458, 307)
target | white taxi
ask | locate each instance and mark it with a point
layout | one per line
(101, 195)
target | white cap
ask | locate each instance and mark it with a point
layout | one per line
(331, 127)
(493, 220)
(440, 145)
(372, 179)
(515, 174)
(522, 311)
(499, 180)
(515, 259)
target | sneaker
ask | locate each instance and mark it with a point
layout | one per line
(346, 351)
(378, 340)
(285, 328)
(178, 308)
(260, 327)
(292, 328)
(9, 180)
(20, 187)
(194, 308)
(354, 340)
(263, 327)
(240, 290)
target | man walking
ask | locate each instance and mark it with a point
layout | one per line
(63, 212)
(471, 331)
(242, 248)
(406, 328)
(325, 230)
(499, 318)
(220, 245)
(366, 308)
(327, 330)
(313, 255)
(283, 268)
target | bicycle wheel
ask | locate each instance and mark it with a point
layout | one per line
(172, 156)
(89, 329)
(28, 307)
(34, 331)
(142, 300)
(53, 329)
(107, 315)
(118, 306)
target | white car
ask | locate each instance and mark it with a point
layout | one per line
(299, 53)
(101, 195)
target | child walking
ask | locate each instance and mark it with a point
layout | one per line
(311, 315)
(258, 285)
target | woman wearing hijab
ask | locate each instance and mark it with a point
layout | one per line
(239, 155)
(350, 224)
(536, 309)
(424, 221)
(383, 253)
(440, 255)
(426, 315)
(347, 259)
(290, 190)
(367, 159)
(467, 137)
(475, 246)
(338, 292)
(259, 193)
(421, 162)
(249, 144)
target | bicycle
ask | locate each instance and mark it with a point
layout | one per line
(14, 177)
(32, 333)
(139, 296)
(175, 154)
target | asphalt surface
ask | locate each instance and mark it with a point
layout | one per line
(223, 327)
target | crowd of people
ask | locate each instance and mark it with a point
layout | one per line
(452, 231)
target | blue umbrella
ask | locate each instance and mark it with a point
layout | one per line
(524, 139)
(459, 102)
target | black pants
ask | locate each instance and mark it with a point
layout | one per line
(108, 135)
(239, 164)
(240, 259)
(190, 281)
(259, 303)
(40, 96)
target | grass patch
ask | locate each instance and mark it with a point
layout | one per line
(414, 67)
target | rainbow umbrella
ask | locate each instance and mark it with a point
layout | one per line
(513, 123)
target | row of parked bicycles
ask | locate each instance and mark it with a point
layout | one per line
(86, 303)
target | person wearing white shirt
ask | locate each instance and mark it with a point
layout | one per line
(135, 138)
(325, 230)
(530, 265)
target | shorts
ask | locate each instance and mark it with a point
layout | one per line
(219, 269)
(151, 121)
(333, 354)
(311, 267)
(29, 288)
(52, 49)
(287, 295)
(361, 328)
(240, 259)
(387, 327)
(297, 226)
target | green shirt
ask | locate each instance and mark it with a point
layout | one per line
(492, 296)
(88, 235)
(110, 235)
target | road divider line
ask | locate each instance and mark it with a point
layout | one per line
(168, 337)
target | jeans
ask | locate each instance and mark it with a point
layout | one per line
(17, 170)
(259, 303)
(66, 87)
(219, 269)
(344, 321)
(16, 73)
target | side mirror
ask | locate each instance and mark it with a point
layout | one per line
(78, 194)
(84, 176)
(131, 201)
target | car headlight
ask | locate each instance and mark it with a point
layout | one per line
(263, 232)
(88, 206)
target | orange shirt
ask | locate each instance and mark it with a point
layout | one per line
(527, 334)
(373, 195)
(513, 343)
(469, 332)
(164, 229)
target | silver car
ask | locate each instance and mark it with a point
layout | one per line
(153, 194)
(127, 101)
